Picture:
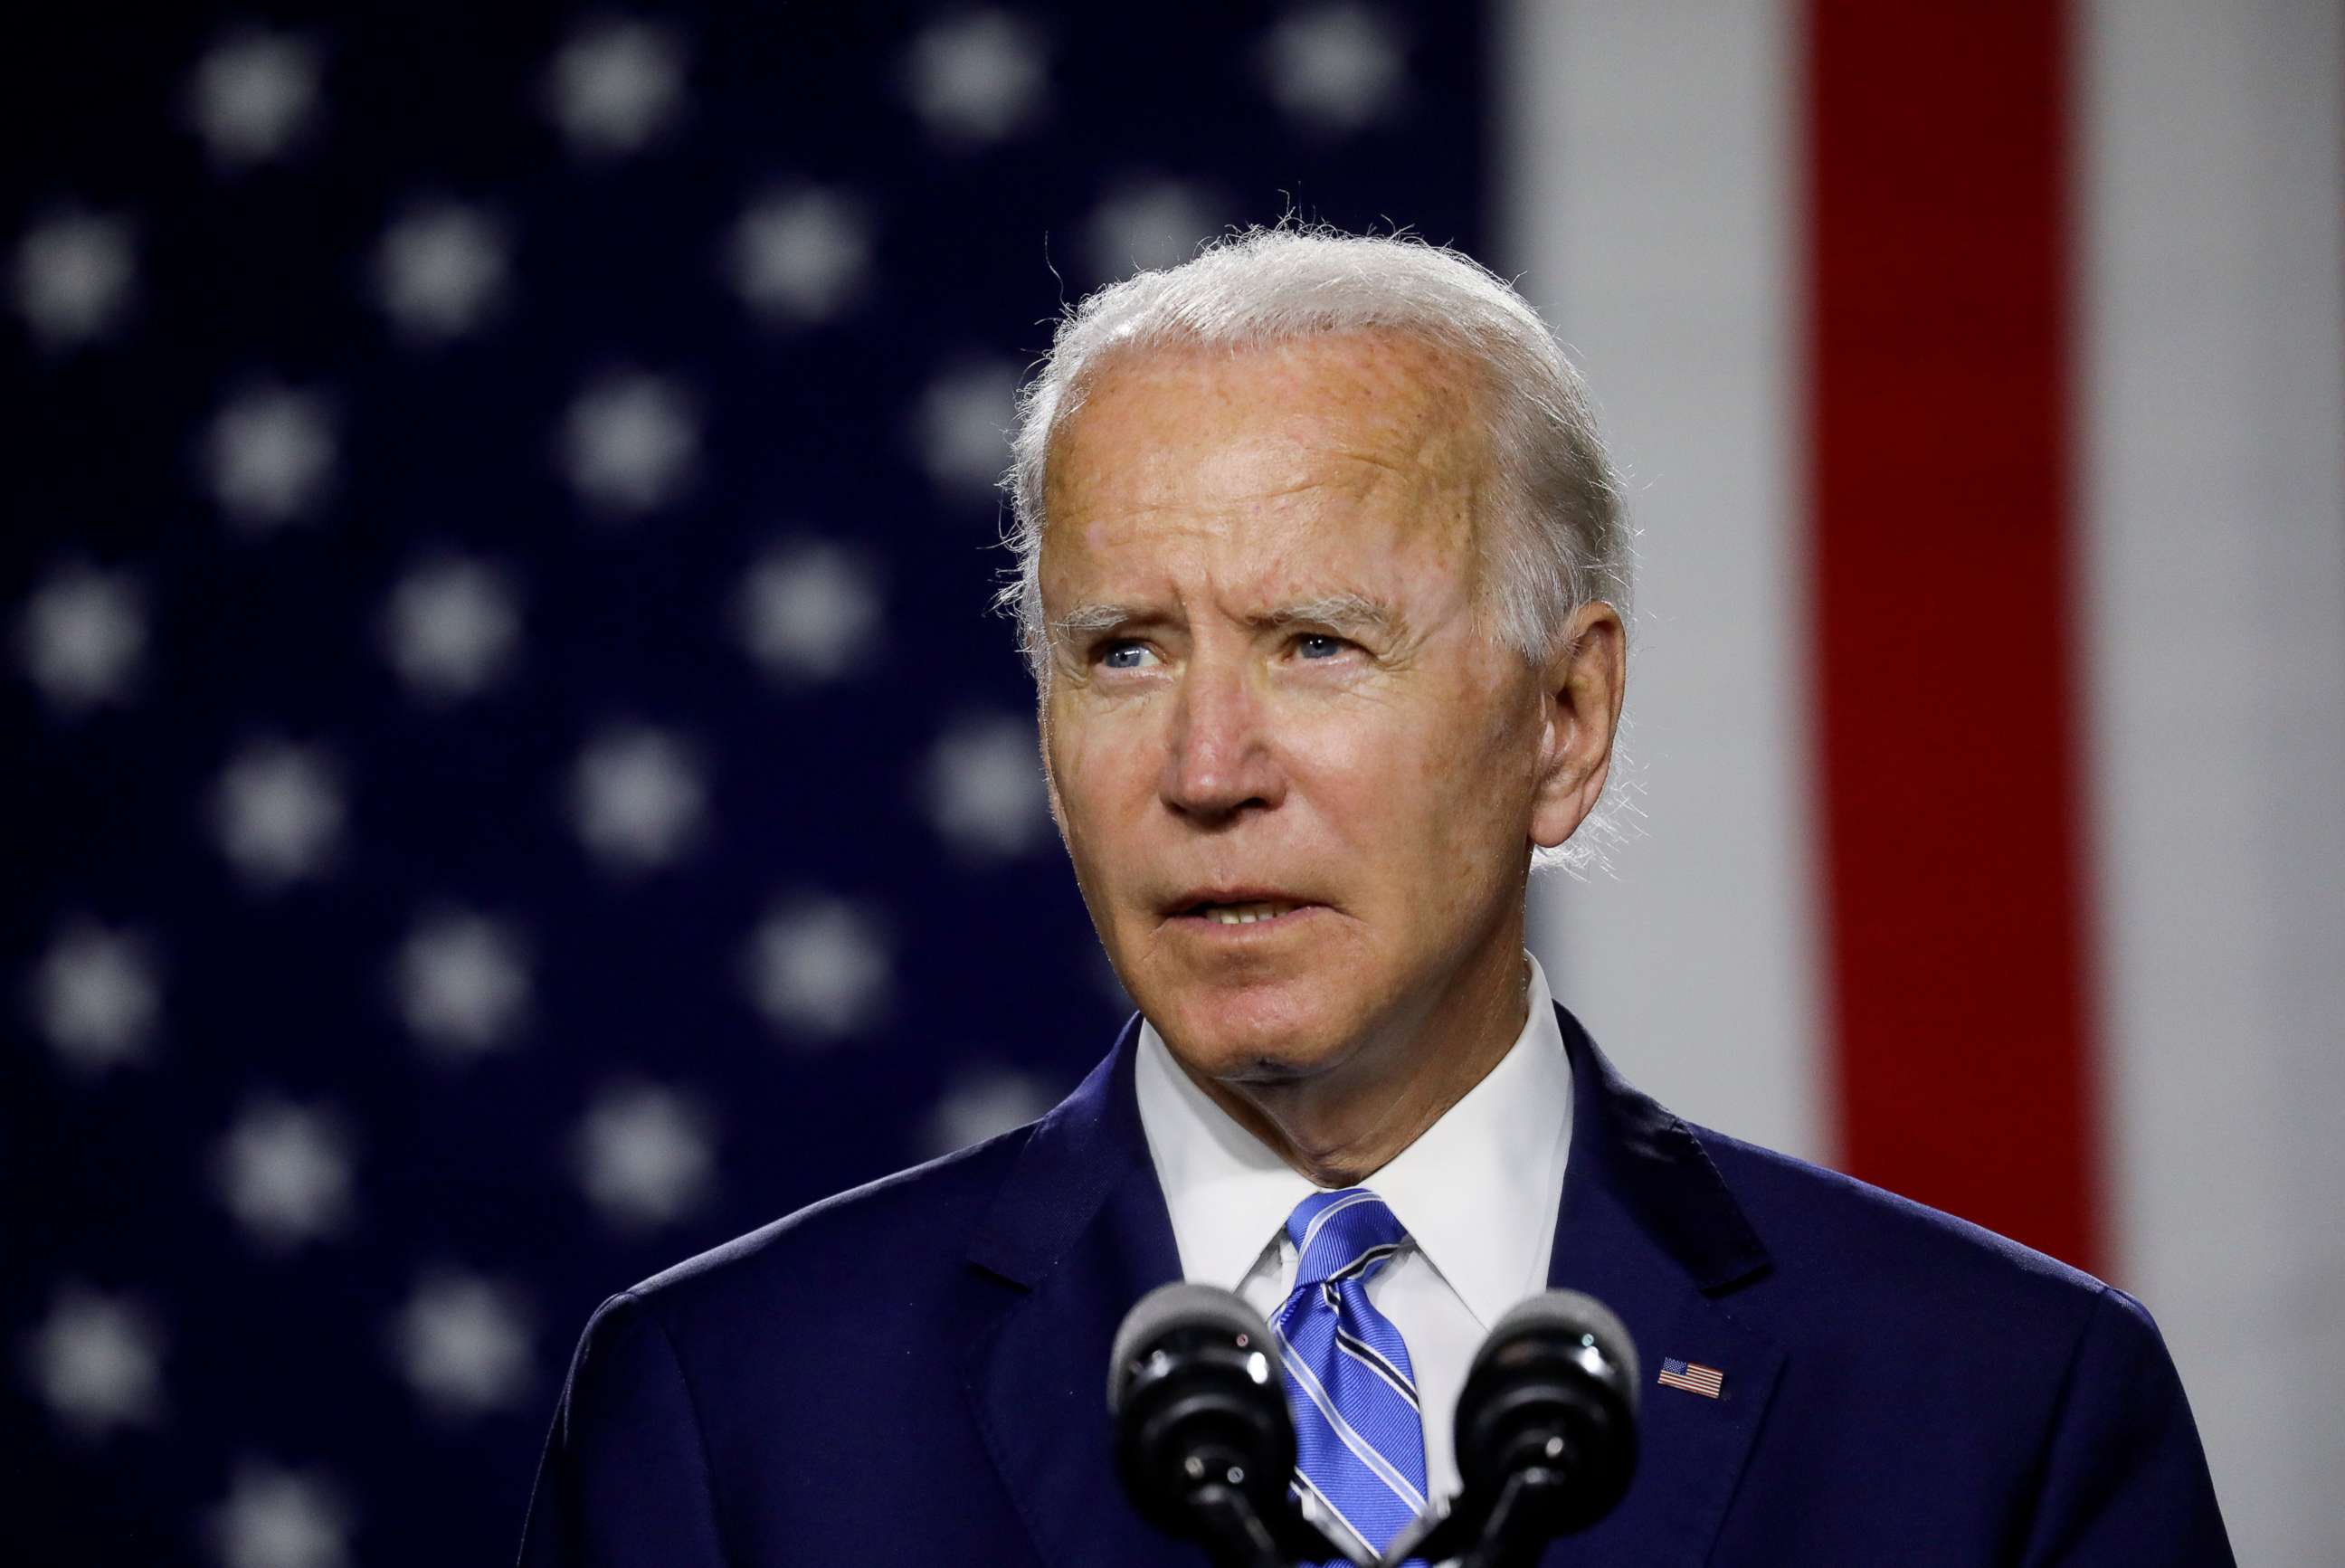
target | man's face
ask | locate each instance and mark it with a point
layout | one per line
(1294, 767)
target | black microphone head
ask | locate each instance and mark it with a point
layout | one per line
(1553, 1391)
(1574, 1317)
(1183, 1308)
(1199, 1398)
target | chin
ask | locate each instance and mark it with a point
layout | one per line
(1260, 1034)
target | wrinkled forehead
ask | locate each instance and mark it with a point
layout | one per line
(1184, 424)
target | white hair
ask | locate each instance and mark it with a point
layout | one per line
(1564, 542)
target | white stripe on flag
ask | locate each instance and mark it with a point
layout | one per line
(2212, 486)
(1651, 206)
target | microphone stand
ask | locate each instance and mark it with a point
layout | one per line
(1233, 1532)
(1517, 1530)
(1512, 1535)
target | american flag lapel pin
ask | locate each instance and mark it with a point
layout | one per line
(1692, 1376)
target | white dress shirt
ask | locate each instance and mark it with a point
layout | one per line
(1478, 1193)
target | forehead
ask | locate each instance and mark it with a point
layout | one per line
(1243, 439)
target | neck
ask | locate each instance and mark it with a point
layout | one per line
(1341, 1126)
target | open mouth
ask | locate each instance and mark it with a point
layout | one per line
(1257, 912)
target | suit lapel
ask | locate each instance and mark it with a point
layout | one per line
(1079, 1232)
(1650, 1228)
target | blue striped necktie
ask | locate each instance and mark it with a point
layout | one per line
(1360, 1440)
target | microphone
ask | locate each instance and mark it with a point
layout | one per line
(1203, 1441)
(1547, 1435)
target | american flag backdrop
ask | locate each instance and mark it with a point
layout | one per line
(1980, 372)
(513, 781)
(512, 778)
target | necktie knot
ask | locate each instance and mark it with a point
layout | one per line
(1340, 1236)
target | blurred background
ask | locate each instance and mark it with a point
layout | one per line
(513, 779)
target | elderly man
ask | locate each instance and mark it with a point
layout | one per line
(1321, 577)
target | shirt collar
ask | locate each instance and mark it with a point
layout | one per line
(1477, 1191)
(1227, 1193)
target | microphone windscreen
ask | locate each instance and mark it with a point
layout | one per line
(1170, 1308)
(1570, 1315)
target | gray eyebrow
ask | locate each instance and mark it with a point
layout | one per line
(1340, 611)
(1089, 618)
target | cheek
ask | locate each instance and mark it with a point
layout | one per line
(1432, 785)
(1379, 800)
(1096, 774)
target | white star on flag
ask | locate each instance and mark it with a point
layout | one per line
(279, 1518)
(630, 443)
(637, 799)
(451, 628)
(980, 1102)
(983, 788)
(253, 96)
(978, 77)
(95, 996)
(645, 1155)
(270, 455)
(800, 256)
(278, 809)
(441, 270)
(962, 429)
(809, 610)
(95, 1362)
(1336, 68)
(615, 84)
(83, 637)
(463, 1343)
(284, 1172)
(463, 984)
(818, 968)
(76, 274)
(1149, 224)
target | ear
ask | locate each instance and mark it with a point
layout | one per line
(1582, 687)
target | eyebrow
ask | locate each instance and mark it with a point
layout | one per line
(1091, 618)
(1342, 611)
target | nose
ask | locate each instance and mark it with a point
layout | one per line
(1220, 760)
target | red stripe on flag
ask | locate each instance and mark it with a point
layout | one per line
(1939, 474)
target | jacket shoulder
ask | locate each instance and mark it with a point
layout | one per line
(1929, 1381)
(899, 1234)
(737, 1396)
(1846, 1246)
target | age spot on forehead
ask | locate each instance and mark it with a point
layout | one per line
(1291, 438)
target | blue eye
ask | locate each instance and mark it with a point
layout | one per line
(1318, 645)
(1125, 655)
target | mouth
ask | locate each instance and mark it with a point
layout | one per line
(1241, 907)
(1244, 914)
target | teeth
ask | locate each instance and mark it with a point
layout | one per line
(1247, 914)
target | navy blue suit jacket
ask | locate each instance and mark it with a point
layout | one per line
(912, 1374)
